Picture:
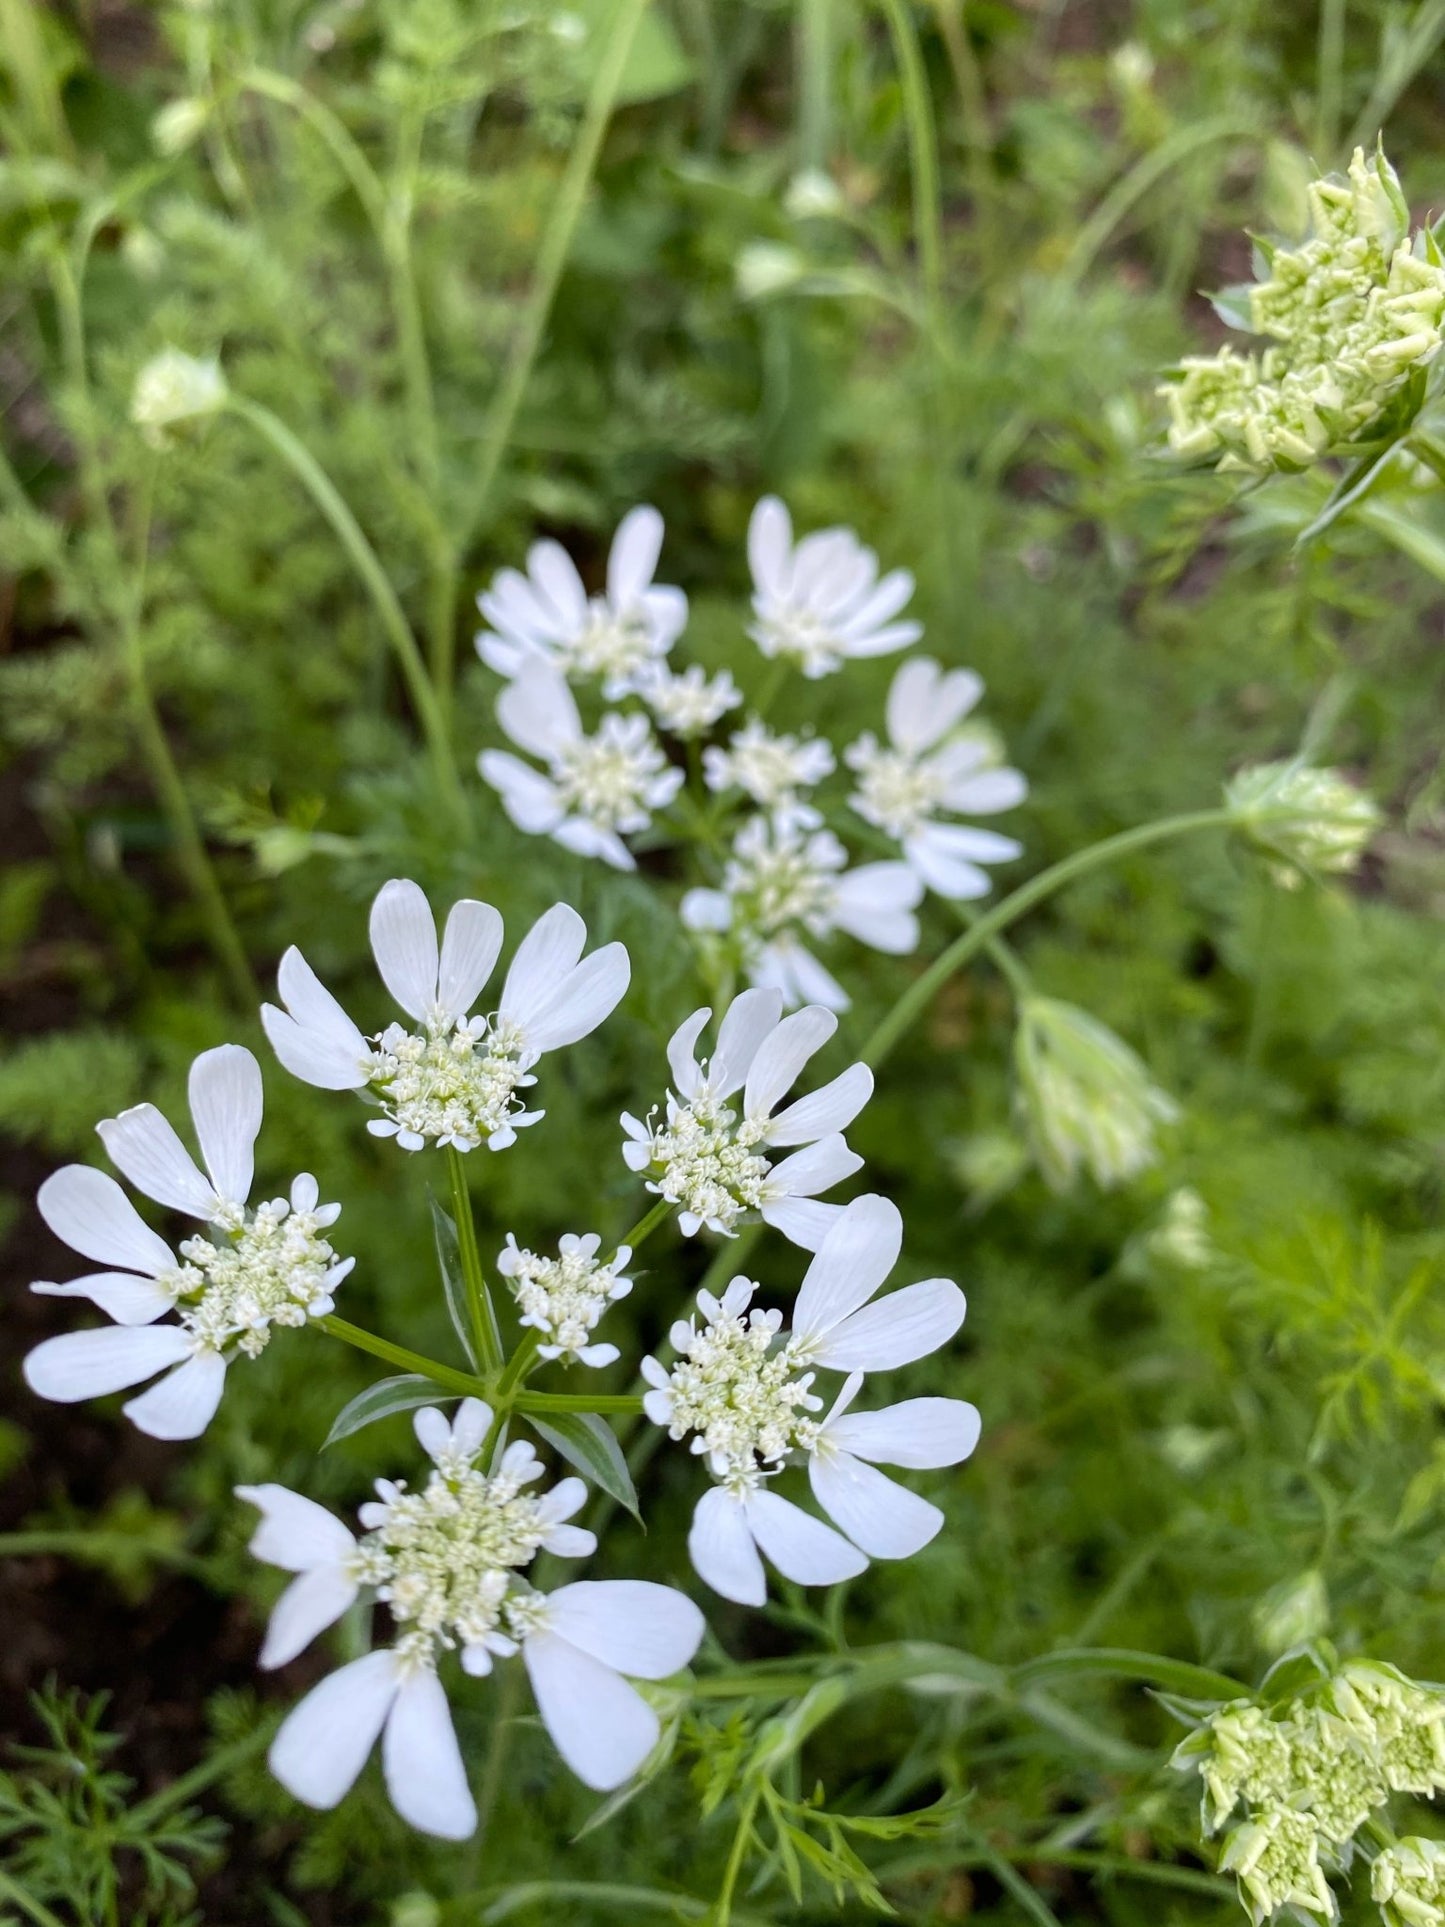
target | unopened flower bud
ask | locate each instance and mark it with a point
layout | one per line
(1311, 820)
(1276, 1860)
(177, 125)
(1084, 1097)
(764, 268)
(173, 388)
(1408, 1882)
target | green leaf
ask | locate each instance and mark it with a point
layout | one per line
(454, 1283)
(589, 1443)
(405, 1393)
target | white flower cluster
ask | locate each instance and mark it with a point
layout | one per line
(741, 1389)
(447, 1562)
(1309, 1775)
(563, 1297)
(1303, 820)
(787, 882)
(1085, 1099)
(1408, 1882)
(255, 1268)
(1350, 314)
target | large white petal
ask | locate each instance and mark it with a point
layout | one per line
(742, 1038)
(143, 1146)
(924, 703)
(226, 1101)
(538, 711)
(721, 1548)
(832, 1107)
(295, 1533)
(883, 1518)
(775, 1068)
(803, 1221)
(529, 798)
(555, 575)
(120, 1295)
(991, 790)
(815, 1168)
(182, 1404)
(89, 1212)
(314, 1038)
(470, 947)
(851, 1263)
(631, 1625)
(875, 904)
(682, 1053)
(311, 1603)
(585, 998)
(882, 642)
(404, 943)
(544, 957)
(633, 559)
(423, 1763)
(323, 1742)
(878, 607)
(114, 1357)
(770, 547)
(798, 974)
(602, 1728)
(801, 1547)
(895, 1330)
(944, 870)
(706, 910)
(917, 1432)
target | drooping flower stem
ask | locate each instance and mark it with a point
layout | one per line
(324, 493)
(467, 1383)
(920, 993)
(485, 1336)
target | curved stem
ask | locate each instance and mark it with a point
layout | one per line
(324, 493)
(922, 990)
(467, 1383)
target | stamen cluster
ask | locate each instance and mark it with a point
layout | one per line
(897, 792)
(564, 1297)
(778, 876)
(455, 1082)
(706, 1163)
(609, 778)
(744, 1397)
(268, 1267)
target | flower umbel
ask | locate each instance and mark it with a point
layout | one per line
(1408, 1882)
(563, 1297)
(1085, 1098)
(820, 603)
(1308, 820)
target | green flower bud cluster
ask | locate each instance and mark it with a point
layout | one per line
(1293, 1784)
(1085, 1099)
(1304, 819)
(1350, 315)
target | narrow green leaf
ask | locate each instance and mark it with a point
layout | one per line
(454, 1282)
(404, 1393)
(588, 1442)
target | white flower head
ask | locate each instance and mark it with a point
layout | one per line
(1407, 1883)
(452, 1078)
(564, 1297)
(595, 789)
(1304, 820)
(820, 603)
(614, 639)
(741, 1390)
(783, 883)
(447, 1561)
(773, 770)
(174, 388)
(253, 1269)
(710, 1155)
(690, 702)
(930, 767)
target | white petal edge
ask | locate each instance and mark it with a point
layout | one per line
(801, 1547)
(294, 1532)
(638, 1628)
(87, 1210)
(471, 944)
(853, 1260)
(602, 1728)
(404, 943)
(894, 1331)
(182, 1404)
(324, 1741)
(312, 1602)
(91, 1364)
(422, 1762)
(881, 1517)
(226, 1103)
(143, 1146)
(722, 1551)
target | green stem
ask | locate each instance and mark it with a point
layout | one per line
(544, 1402)
(1144, 175)
(923, 153)
(645, 1225)
(466, 1383)
(486, 1337)
(738, 1855)
(12, 1891)
(551, 259)
(921, 991)
(97, 1548)
(328, 499)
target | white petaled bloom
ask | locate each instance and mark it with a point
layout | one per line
(691, 702)
(711, 1156)
(447, 1561)
(1407, 1882)
(614, 639)
(563, 1297)
(782, 884)
(820, 603)
(451, 1078)
(741, 1391)
(252, 1269)
(771, 769)
(595, 789)
(1275, 1858)
(929, 767)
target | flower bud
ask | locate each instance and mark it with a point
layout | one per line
(173, 388)
(1408, 1882)
(1276, 1859)
(764, 268)
(1292, 1613)
(177, 125)
(1084, 1097)
(1312, 820)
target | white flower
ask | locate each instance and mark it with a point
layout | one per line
(742, 1388)
(270, 1266)
(690, 703)
(930, 767)
(820, 604)
(446, 1561)
(563, 1297)
(454, 1079)
(782, 883)
(596, 789)
(1407, 1881)
(710, 1158)
(613, 638)
(771, 770)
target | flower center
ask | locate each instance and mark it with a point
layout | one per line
(786, 882)
(274, 1270)
(563, 1297)
(895, 791)
(707, 1163)
(745, 1400)
(455, 1083)
(606, 778)
(610, 645)
(801, 635)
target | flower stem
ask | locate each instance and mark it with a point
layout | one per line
(485, 1335)
(544, 1402)
(467, 1383)
(324, 493)
(920, 993)
(645, 1226)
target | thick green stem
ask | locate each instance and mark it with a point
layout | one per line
(467, 1383)
(645, 1225)
(922, 990)
(923, 154)
(324, 493)
(485, 1336)
(544, 1402)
